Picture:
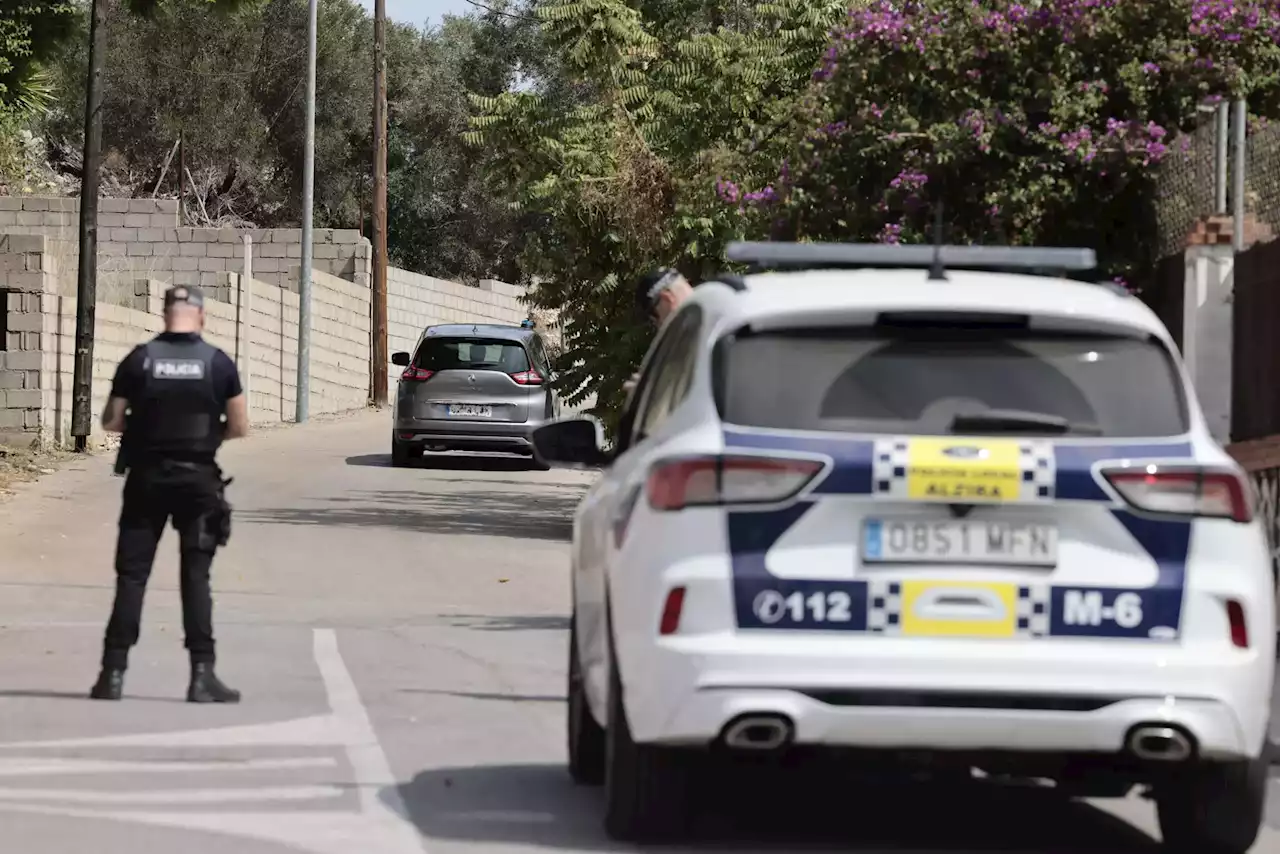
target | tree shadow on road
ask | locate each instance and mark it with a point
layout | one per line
(450, 462)
(521, 515)
(486, 696)
(511, 623)
(537, 805)
(78, 696)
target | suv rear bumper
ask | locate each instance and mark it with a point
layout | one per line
(1212, 724)
(467, 436)
(883, 694)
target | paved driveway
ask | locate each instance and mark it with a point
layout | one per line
(400, 639)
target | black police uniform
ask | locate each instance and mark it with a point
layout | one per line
(177, 387)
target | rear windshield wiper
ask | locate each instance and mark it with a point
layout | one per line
(1018, 421)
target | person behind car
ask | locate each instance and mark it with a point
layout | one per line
(658, 295)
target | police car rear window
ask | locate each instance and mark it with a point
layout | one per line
(917, 381)
(472, 354)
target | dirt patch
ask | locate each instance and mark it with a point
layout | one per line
(20, 465)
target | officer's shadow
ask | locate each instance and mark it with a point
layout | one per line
(40, 694)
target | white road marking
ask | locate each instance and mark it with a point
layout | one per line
(379, 826)
(368, 762)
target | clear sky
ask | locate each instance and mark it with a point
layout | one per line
(421, 12)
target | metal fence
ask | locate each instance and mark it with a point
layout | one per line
(1185, 186)
(1185, 180)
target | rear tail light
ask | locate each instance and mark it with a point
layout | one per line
(1239, 628)
(714, 480)
(1184, 492)
(416, 374)
(528, 378)
(671, 611)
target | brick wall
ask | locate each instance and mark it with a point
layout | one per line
(27, 272)
(257, 326)
(141, 239)
(260, 334)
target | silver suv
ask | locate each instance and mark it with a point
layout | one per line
(472, 388)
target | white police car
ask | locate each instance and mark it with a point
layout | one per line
(869, 503)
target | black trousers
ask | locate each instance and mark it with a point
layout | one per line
(187, 494)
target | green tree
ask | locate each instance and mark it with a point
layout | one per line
(233, 84)
(31, 33)
(620, 178)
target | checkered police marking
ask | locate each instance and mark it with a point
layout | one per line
(889, 468)
(1034, 604)
(1038, 471)
(884, 607)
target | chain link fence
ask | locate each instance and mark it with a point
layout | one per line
(1185, 186)
(1262, 172)
(1185, 180)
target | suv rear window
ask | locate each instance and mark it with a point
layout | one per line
(869, 380)
(472, 354)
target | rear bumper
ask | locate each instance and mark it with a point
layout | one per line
(467, 435)
(957, 696)
(1213, 724)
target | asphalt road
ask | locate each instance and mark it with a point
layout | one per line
(400, 639)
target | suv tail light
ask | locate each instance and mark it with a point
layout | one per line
(416, 374)
(1184, 492)
(722, 479)
(528, 378)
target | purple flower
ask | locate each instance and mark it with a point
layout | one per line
(891, 233)
(909, 180)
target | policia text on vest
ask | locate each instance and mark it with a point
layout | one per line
(175, 399)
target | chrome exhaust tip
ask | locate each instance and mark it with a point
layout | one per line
(758, 733)
(1155, 743)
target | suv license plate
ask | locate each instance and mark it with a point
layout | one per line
(471, 409)
(959, 541)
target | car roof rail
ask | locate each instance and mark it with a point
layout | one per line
(1037, 260)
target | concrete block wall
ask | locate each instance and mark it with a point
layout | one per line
(27, 271)
(141, 239)
(415, 302)
(258, 326)
(261, 333)
(117, 330)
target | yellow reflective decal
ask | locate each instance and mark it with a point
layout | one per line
(950, 470)
(959, 609)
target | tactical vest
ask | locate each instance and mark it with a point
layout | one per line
(178, 415)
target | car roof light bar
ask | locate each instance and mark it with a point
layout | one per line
(767, 255)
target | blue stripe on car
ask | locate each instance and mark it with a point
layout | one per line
(1074, 611)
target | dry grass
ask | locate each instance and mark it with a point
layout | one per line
(21, 465)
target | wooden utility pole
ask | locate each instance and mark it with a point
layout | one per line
(380, 355)
(87, 277)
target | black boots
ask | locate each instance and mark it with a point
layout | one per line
(110, 685)
(206, 687)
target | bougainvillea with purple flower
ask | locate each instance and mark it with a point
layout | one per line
(1033, 122)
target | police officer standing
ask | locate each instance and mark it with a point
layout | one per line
(175, 399)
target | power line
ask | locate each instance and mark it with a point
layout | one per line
(505, 14)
